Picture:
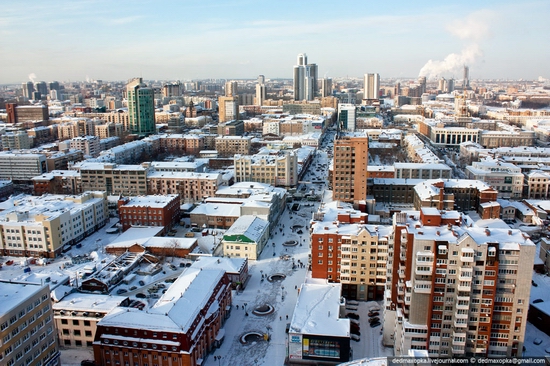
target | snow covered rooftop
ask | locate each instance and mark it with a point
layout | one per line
(220, 209)
(12, 294)
(154, 201)
(249, 226)
(88, 302)
(317, 311)
(136, 234)
(176, 310)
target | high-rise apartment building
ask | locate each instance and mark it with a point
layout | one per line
(28, 89)
(466, 77)
(231, 88)
(172, 89)
(42, 88)
(349, 176)
(347, 250)
(228, 108)
(455, 289)
(141, 108)
(371, 87)
(54, 85)
(260, 94)
(326, 87)
(346, 116)
(305, 79)
(27, 328)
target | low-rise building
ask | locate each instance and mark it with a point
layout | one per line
(43, 226)
(506, 178)
(181, 328)
(27, 329)
(246, 237)
(317, 334)
(231, 145)
(77, 314)
(128, 180)
(280, 170)
(89, 145)
(57, 182)
(191, 187)
(21, 167)
(153, 210)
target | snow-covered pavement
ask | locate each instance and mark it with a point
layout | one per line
(258, 292)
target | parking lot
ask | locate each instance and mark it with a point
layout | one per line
(370, 340)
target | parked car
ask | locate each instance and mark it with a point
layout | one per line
(121, 291)
(355, 331)
(352, 316)
(537, 301)
(141, 295)
(133, 288)
(154, 296)
(374, 320)
(373, 313)
(161, 285)
(355, 337)
(374, 324)
(141, 283)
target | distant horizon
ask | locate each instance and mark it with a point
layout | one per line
(161, 40)
(267, 79)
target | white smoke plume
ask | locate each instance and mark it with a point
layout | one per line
(32, 77)
(452, 64)
(473, 29)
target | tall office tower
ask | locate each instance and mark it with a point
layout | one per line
(455, 289)
(441, 84)
(41, 87)
(260, 94)
(349, 176)
(346, 116)
(305, 79)
(466, 77)
(141, 108)
(397, 89)
(326, 87)
(371, 87)
(54, 85)
(261, 79)
(171, 89)
(53, 94)
(422, 83)
(28, 89)
(231, 89)
(450, 87)
(228, 108)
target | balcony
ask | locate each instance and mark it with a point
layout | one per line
(423, 271)
(465, 287)
(467, 259)
(458, 324)
(458, 350)
(461, 316)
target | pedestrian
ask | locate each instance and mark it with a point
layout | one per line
(280, 318)
(295, 287)
(237, 307)
(287, 317)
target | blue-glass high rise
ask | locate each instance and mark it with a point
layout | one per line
(141, 108)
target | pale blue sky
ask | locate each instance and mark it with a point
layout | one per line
(118, 39)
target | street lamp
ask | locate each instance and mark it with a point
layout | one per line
(245, 312)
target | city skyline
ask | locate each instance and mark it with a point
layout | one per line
(159, 40)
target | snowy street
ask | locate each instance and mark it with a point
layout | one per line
(258, 292)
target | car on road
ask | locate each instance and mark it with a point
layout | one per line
(374, 324)
(141, 295)
(373, 313)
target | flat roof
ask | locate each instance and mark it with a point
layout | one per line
(317, 311)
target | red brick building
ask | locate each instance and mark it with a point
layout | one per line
(149, 211)
(182, 328)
